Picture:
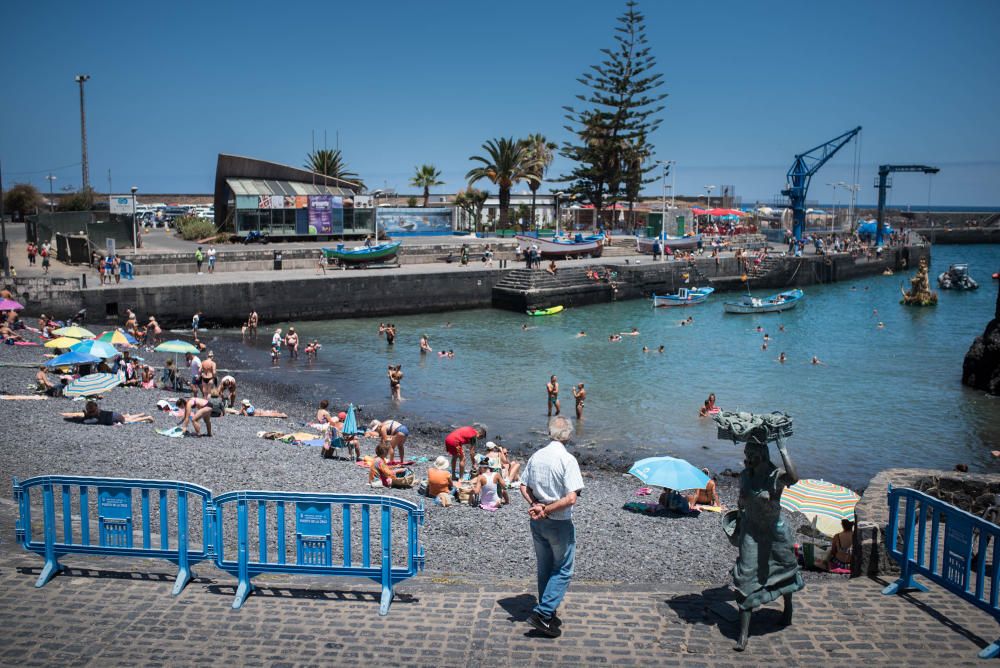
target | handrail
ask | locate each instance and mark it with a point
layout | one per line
(955, 561)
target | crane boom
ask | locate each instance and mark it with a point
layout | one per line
(801, 172)
(883, 184)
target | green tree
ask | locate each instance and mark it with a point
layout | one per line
(330, 162)
(411, 201)
(81, 200)
(22, 199)
(471, 201)
(540, 154)
(426, 177)
(622, 105)
(506, 161)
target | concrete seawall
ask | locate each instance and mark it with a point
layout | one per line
(227, 298)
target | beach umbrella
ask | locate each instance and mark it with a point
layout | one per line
(97, 348)
(351, 423)
(824, 503)
(176, 346)
(66, 342)
(669, 472)
(10, 305)
(117, 337)
(75, 332)
(93, 384)
(72, 358)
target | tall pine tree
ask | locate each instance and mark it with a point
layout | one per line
(619, 114)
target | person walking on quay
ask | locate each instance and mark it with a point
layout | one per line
(116, 268)
(199, 257)
(552, 387)
(211, 259)
(32, 251)
(109, 269)
(551, 484)
(45, 260)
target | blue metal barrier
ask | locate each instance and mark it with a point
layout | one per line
(127, 270)
(955, 562)
(115, 521)
(314, 538)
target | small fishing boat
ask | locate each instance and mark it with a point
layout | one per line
(645, 244)
(684, 297)
(782, 301)
(364, 254)
(563, 247)
(957, 278)
(552, 310)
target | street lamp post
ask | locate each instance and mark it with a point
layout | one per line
(854, 188)
(708, 202)
(3, 231)
(135, 227)
(52, 203)
(375, 195)
(556, 196)
(82, 79)
(667, 165)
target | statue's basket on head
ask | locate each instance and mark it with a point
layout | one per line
(737, 427)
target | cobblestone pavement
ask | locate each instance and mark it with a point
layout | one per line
(115, 612)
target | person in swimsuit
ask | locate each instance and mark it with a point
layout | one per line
(390, 334)
(292, 342)
(208, 371)
(490, 486)
(841, 550)
(455, 443)
(710, 402)
(395, 374)
(425, 346)
(252, 324)
(227, 390)
(709, 496)
(580, 395)
(552, 387)
(392, 433)
(199, 408)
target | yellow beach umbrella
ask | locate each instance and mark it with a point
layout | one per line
(66, 342)
(75, 332)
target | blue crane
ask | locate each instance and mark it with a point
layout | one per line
(883, 182)
(801, 172)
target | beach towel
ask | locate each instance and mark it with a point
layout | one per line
(25, 343)
(406, 463)
(711, 509)
(259, 412)
(365, 462)
(23, 397)
(315, 442)
(171, 432)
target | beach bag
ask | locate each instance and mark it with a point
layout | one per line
(403, 480)
(422, 488)
(473, 499)
(731, 526)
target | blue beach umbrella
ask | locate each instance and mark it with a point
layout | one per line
(669, 472)
(351, 423)
(96, 348)
(93, 384)
(72, 358)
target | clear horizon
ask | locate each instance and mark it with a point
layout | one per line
(398, 85)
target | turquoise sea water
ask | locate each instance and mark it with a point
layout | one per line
(882, 397)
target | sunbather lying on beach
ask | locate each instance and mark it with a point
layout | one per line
(92, 414)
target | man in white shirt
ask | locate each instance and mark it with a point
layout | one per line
(194, 365)
(551, 483)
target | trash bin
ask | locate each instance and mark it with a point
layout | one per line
(277, 260)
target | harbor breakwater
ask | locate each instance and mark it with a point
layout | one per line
(277, 296)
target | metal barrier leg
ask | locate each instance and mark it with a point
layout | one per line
(906, 583)
(245, 587)
(184, 573)
(52, 565)
(990, 651)
(387, 594)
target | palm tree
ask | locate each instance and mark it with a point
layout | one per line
(472, 201)
(506, 162)
(540, 152)
(426, 177)
(330, 162)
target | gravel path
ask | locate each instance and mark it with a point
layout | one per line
(612, 544)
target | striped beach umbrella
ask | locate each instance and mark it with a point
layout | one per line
(93, 385)
(351, 423)
(75, 332)
(66, 342)
(117, 337)
(96, 348)
(824, 503)
(176, 346)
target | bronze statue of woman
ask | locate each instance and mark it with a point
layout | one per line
(767, 567)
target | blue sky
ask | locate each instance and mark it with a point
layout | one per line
(403, 83)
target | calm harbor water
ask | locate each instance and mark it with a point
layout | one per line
(883, 397)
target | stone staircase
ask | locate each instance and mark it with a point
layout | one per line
(765, 267)
(526, 289)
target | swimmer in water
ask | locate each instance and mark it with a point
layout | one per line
(782, 358)
(763, 346)
(781, 328)
(759, 329)
(875, 311)
(881, 325)
(615, 338)
(645, 349)
(446, 325)
(580, 395)
(451, 354)
(766, 337)
(582, 333)
(425, 346)
(660, 349)
(634, 332)
(816, 360)
(683, 323)
(691, 319)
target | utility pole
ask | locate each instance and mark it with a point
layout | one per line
(82, 79)
(52, 202)
(3, 230)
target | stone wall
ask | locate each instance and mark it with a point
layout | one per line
(57, 297)
(971, 492)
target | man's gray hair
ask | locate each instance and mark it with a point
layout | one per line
(560, 429)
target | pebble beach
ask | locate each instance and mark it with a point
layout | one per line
(612, 543)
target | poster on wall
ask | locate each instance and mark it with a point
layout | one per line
(264, 202)
(337, 215)
(319, 214)
(414, 222)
